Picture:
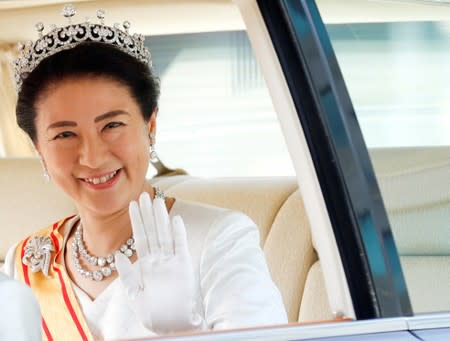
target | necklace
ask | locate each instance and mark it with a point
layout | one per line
(106, 264)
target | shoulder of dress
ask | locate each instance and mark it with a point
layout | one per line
(48, 230)
(214, 220)
(205, 211)
(196, 206)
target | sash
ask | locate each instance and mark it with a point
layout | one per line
(62, 317)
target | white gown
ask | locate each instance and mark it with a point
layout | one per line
(233, 284)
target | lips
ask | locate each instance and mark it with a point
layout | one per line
(101, 179)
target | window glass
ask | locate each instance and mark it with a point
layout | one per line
(397, 75)
(216, 117)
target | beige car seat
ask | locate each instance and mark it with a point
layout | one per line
(414, 183)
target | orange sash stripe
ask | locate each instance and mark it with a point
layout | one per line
(57, 267)
(61, 313)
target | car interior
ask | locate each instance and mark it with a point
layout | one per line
(413, 180)
(276, 206)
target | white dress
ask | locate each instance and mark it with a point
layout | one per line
(233, 285)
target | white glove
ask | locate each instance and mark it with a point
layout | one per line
(161, 287)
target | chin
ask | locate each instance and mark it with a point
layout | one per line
(108, 207)
(103, 205)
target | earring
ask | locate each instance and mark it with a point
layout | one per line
(152, 150)
(44, 170)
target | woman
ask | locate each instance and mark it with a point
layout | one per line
(124, 266)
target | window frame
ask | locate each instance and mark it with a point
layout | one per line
(347, 180)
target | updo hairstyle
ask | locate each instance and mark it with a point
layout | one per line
(88, 59)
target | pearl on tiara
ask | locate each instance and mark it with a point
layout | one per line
(67, 37)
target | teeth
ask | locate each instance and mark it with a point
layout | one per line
(100, 180)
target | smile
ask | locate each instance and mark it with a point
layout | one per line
(101, 180)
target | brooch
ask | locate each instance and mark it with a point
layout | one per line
(37, 254)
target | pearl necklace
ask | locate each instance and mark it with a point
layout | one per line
(106, 264)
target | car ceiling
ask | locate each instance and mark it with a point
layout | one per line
(157, 17)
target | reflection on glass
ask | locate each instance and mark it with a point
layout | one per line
(397, 76)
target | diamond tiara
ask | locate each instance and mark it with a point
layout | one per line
(67, 37)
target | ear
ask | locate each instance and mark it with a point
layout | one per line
(151, 124)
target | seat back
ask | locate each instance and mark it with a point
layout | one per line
(416, 193)
(415, 186)
(28, 203)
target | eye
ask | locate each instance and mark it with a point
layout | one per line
(112, 125)
(64, 135)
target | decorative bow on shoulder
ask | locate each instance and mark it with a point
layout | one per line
(37, 254)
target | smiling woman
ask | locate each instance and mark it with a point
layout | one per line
(90, 118)
(355, 237)
(148, 264)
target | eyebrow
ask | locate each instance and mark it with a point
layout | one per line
(102, 117)
(62, 124)
(110, 115)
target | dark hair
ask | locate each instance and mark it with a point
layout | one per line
(88, 59)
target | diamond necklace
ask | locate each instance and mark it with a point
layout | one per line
(106, 264)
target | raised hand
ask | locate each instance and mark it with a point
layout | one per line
(160, 286)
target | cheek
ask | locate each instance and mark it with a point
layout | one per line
(57, 159)
(135, 150)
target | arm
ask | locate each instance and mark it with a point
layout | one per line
(235, 281)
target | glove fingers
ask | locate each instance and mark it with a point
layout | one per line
(140, 239)
(163, 226)
(128, 275)
(149, 223)
(179, 236)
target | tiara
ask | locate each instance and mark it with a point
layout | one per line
(67, 37)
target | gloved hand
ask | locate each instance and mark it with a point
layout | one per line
(161, 287)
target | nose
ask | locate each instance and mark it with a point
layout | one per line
(93, 152)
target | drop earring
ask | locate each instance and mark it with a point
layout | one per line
(152, 150)
(44, 170)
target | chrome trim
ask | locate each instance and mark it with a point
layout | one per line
(429, 321)
(301, 332)
(320, 330)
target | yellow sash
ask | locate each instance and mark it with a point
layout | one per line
(62, 318)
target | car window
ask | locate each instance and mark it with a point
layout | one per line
(216, 117)
(397, 75)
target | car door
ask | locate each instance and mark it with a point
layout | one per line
(342, 178)
(332, 133)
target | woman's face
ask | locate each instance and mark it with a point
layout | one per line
(94, 141)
